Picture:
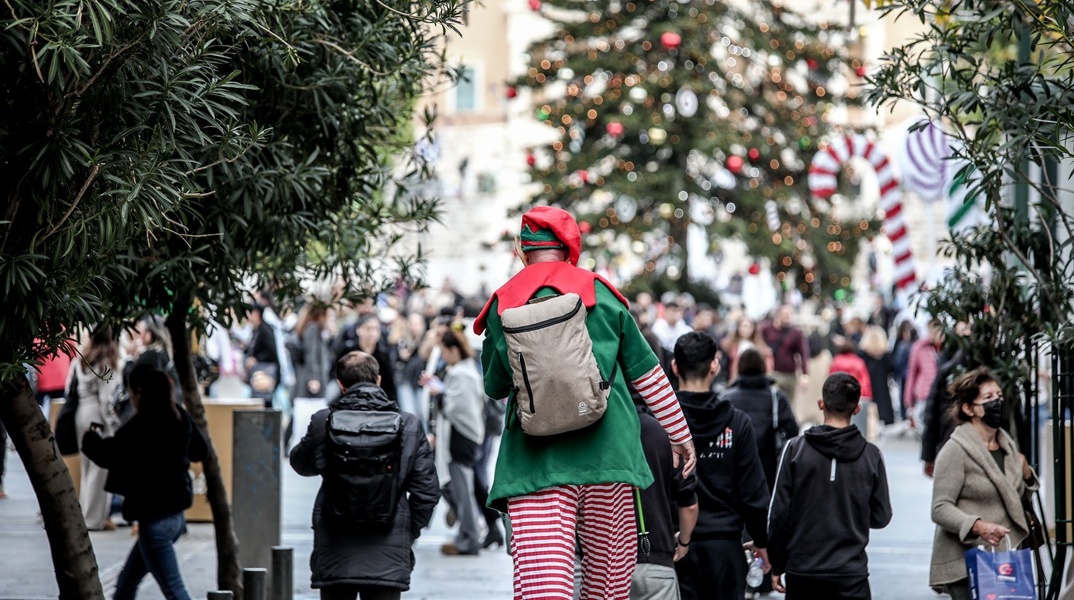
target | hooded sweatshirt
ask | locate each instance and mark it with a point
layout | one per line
(753, 395)
(731, 489)
(831, 488)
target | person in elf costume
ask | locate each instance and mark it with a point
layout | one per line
(576, 486)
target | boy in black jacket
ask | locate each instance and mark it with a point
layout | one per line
(831, 488)
(731, 488)
(654, 576)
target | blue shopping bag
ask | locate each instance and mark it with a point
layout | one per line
(1001, 575)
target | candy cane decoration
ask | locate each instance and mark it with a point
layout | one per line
(925, 171)
(932, 173)
(823, 182)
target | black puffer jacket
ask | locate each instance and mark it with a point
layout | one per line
(148, 462)
(375, 558)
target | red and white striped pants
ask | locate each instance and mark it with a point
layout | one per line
(543, 528)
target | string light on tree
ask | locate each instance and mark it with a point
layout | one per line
(658, 136)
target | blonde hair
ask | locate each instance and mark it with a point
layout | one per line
(874, 341)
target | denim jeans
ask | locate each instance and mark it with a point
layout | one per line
(409, 398)
(154, 553)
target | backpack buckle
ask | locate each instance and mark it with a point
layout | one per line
(605, 384)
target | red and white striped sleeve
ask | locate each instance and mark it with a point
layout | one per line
(655, 388)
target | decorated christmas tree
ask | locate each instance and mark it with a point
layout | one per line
(693, 115)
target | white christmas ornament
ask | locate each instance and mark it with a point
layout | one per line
(771, 213)
(686, 101)
(626, 208)
(701, 211)
(638, 94)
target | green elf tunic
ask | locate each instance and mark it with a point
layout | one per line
(609, 451)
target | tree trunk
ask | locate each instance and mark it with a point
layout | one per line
(228, 571)
(73, 559)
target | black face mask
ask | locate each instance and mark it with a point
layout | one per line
(993, 413)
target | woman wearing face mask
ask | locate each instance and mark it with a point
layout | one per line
(979, 482)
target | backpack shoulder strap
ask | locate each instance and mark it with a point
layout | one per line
(775, 408)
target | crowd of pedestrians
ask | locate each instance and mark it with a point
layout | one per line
(718, 454)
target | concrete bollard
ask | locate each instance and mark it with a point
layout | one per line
(254, 582)
(256, 485)
(283, 573)
(223, 595)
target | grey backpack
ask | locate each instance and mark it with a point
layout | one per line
(558, 386)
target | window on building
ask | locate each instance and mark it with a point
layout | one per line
(466, 91)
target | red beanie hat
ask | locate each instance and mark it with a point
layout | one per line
(545, 227)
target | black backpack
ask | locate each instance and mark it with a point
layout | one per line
(363, 450)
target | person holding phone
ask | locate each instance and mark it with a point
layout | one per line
(148, 461)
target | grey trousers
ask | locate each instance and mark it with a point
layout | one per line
(468, 538)
(654, 582)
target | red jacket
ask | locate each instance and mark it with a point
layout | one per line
(53, 375)
(920, 373)
(853, 364)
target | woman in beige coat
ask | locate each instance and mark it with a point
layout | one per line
(980, 479)
(97, 376)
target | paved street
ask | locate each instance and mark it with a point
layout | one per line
(899, 555)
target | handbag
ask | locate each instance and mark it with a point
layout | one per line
(66, 432)
(262, 379)
(780, 435)
(122, 407)
(1004, 575)
(1037, 536)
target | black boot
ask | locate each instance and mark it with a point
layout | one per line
(493, 537)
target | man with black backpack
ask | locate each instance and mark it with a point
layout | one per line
(378, 488)
(561, 345)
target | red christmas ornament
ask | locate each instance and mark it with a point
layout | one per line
(584, 175)
(512, 92)
(755, 269)
(861, 71)
(585, 227)
(670, 40)
(754, 154)
(614, 129)
(734, 164)
(531, 159)
(812, 63)
(535, 5)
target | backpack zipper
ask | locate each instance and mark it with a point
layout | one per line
(547, 323)
(526, 381)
